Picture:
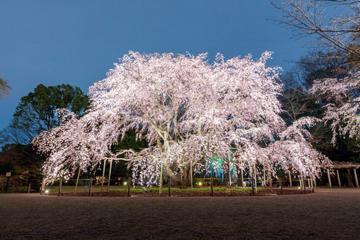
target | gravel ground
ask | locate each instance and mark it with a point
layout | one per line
(326, 214)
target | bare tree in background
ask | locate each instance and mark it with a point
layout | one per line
(337, 22)
(4, 88)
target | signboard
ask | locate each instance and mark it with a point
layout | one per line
(8, 174)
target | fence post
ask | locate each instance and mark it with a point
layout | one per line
(29, 187)
(211, 186)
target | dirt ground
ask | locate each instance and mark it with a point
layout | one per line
(326, 214)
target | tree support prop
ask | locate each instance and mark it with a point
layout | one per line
(329, 177)
(338, 177)
(77, 180)
(103, 176)
(356, 178)
(109, 177)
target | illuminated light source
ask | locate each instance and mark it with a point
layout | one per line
(47, 191)
(200, 184)
(124, 183)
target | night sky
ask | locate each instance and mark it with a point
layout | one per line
(77, 41)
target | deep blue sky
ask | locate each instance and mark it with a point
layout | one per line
(77, 41)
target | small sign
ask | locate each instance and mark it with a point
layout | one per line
(8, 174)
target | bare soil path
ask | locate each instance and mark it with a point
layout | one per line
(326, 214)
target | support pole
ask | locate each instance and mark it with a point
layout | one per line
(264, 180)
(191, 174)
(103, 176)
(338, 177)
(43, 185)
(229, 160)
(270, 179)
(60, 186)
(290, 180)
(77, 180)
(350, 182)
(302, 182)
(329, 178)
(254, 182)
(356, 178)
(229, 175)
(311, 181)
(169, 186)
(242, 177)
(128, 186)
(90, 186)
(161, 178)
(212, 186)
(109, 178)
(255, 179)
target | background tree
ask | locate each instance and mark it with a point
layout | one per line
(335, 22)
(322, 64)
(20, 159)
(36, 111)
(298, 103)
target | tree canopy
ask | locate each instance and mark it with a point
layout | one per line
(188, 110)
(36, 111)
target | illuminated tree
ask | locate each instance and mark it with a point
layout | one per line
(188, 111)
(342, 104)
